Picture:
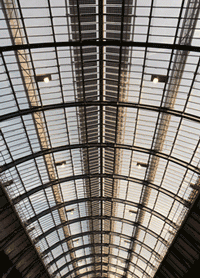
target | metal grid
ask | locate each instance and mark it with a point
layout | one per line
(100, 140)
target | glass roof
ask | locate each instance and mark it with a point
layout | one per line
(101, 161)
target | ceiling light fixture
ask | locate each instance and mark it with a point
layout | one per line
(31, 229)
(61, 163)
(70, 210)
(76, 241)
(195, 186)
(141, 164)
(126, 242)
(46, 79)
(159, 78)
(131, 212)
(7, 183)
(155, 80)
(43, 78)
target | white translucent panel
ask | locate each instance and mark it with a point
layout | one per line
(163, 204)
(156, 224)
(119, 209)
(134, 192)
(25, 208)
(123, 254)
(63, 127)
(75, 228)
(122, 189)
(150, 240)
(141, 235)
(39, 201)
(52, 238)
(46, 222)
(175, 214)
(61, 234)
(127, 229)
(145, 253)
(61, 262)
(141, 264)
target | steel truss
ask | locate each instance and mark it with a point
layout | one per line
(175, 160)
(32, 110)
(106, 42)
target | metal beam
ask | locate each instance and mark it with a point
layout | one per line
(35, 109)
(170, 92)
(15, 26)
(100, 274)
(69, 222)
(102, 264)
(175, 160)
(145, 246)
(97, 175)
(99, 255)
(100, 43)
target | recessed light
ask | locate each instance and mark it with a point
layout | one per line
(76, 241)
(7, 183)
(70, 210)
(155, 80)
(61, 163)
(46, 79)
(30, 229)
(131, 212)
(159, 78)
(126, 242)
(141, 164)
(171, 232)
(194, 186)
(43, 78)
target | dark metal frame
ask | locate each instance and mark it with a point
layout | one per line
(100, 244)
(104, 264)
(101, 218)
(175, 160)
(100, 43)
(29, 193)
(98, 255)
(32, 110)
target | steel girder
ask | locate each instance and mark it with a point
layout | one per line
(45, 252)
(99, 255)
(103, 264)
(77, 201)
(69, 222)
(103, 244)
(102, 255)
(106, 42)
(100, 274)
(121, 177)
(158, 109)
(175, 160)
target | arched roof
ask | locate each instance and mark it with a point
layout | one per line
(101, 161)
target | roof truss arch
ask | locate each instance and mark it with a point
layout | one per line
(80, 177)
(100, 255)
(150, 232)
(117, 200)
(87, 146)
(105, 264)
(97, 233)
(103, 113)
(65, 105)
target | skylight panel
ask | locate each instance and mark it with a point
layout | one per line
(99, 179)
